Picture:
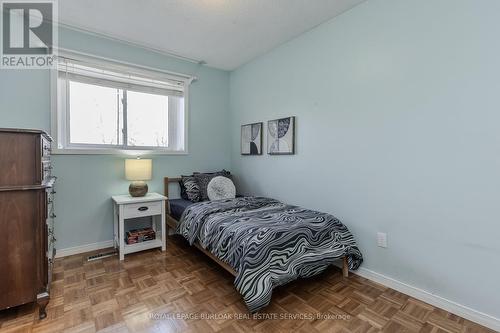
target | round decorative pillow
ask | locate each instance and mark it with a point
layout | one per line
(221, 187)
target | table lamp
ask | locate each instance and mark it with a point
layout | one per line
(138, 170)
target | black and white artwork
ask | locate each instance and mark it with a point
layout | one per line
(251, 139)
(281, 136)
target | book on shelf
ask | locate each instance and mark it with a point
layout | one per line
(140, 235)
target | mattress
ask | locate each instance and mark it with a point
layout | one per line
(267, 243)
(178, 206)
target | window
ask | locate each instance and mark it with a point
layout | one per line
(105, 107)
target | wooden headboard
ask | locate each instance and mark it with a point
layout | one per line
(167, 180)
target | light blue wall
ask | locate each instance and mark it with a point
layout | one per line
(86, 182)
(398, 117)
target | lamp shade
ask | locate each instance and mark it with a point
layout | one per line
(138, 169)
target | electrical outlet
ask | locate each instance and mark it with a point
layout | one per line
(382, 239)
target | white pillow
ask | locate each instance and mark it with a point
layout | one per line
(221, 187)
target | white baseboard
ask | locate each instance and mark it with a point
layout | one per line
(83, 248)
(432, 299)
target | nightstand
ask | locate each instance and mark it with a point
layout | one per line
(127, 207)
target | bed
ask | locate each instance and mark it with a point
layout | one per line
(263, 242)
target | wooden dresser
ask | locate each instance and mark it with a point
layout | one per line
(26, 218)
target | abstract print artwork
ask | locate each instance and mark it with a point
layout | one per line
(281, 136)
(251, 139)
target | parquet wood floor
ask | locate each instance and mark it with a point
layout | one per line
(182, 290)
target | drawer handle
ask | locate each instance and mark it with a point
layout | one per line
(142, 209)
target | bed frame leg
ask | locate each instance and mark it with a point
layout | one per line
(345, 267)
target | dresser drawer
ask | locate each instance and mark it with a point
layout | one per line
(21, 158)
(46, 147)
(50, 229)
(46, 170)
(51, 240)
(142, 209)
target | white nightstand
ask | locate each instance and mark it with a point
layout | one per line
(128, 207)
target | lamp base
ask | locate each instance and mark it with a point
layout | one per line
(138, 189)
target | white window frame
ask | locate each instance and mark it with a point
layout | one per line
(60, 115)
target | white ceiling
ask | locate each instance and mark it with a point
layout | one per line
(224, 33)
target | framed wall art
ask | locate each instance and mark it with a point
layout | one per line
(251, 139)
(281, 136)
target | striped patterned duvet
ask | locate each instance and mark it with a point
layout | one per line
(268, 243)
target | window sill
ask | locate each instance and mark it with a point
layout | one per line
(123, 152)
